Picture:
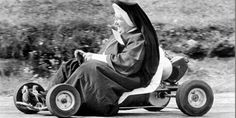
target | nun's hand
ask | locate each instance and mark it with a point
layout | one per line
(88, 56)
(76, 52)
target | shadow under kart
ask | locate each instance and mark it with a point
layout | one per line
(193, 98)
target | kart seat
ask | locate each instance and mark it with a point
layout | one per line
(163, 71)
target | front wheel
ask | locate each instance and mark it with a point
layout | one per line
(63, 100)
(18, 98)
(194, 98)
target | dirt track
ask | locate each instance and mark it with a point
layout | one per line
(223, 107)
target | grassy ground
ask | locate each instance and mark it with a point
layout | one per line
(199, 13)
(9, 84)
(218, 72)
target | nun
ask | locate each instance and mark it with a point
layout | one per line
(128, 61)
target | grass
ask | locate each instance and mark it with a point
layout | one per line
(197, 13)
(175, 13)
(217, 72)
(9, 84)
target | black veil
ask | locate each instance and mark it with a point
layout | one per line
(143, 24)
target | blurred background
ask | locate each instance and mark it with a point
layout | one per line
(36, 36)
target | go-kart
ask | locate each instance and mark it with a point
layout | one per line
(193, 97)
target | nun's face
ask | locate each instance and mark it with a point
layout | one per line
(121, 24)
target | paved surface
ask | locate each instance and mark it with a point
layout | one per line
(223, 107)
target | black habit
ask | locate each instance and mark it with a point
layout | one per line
(129, 66)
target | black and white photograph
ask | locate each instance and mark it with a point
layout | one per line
(117, 58)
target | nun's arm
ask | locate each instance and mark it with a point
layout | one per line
(129, 61)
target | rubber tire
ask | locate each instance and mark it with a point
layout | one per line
(154, 109)
(51, 100)
(17, 96)
(182, 98)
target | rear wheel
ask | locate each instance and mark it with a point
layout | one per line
(63, 100)
(194, 98)
(158, 101)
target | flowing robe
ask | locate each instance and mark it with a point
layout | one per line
(101, 84)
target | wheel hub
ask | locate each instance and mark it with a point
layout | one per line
(197, 97)
(65, 100)
(158, 99)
